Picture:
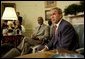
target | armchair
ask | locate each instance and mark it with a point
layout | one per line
(80, 31)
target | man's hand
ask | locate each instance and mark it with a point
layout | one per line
(33, 36)
(44, 49)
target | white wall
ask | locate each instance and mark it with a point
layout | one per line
(30, 11)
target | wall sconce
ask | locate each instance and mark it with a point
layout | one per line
(9, 14)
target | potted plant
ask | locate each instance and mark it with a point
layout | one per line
(73, 9)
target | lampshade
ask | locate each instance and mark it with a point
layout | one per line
(9, 14)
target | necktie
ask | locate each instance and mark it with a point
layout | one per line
(55, 28)
(55, 35)
(39, 28)
(55, 31)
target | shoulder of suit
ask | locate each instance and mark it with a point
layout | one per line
(45, 25)
(20, 16)
(66, 23)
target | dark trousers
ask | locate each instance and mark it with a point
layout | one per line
(24, 46)
(5, 47)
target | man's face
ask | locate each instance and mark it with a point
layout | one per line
(55, 16)
(18, 13)
(40, 21)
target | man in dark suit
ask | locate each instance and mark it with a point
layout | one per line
(19, 18)
(62, 33)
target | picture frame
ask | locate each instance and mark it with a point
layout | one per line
(47, 15)
(49, 4)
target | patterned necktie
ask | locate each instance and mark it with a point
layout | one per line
(55, 35)
(55, 31)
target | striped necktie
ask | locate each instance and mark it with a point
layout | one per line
(39, 28)
(55, 31)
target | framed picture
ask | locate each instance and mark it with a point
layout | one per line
(3, 5)
(47, 15)
(49, 4)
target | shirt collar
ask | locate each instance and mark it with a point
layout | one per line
(58, 23)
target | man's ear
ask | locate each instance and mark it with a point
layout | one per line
(61, 16)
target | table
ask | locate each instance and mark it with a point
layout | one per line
(46, 54)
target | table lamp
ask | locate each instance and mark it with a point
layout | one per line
(9, 14)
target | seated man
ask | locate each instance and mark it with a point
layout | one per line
(41, 32)
(63, 34)
(18, 28)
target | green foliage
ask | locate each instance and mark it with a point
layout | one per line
(73, 9)
(81, 6)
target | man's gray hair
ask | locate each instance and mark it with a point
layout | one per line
(58, 9)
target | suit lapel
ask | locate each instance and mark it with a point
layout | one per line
(38, 30)
(57, 36)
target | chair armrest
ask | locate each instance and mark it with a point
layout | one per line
(80, 50)
(34, 48)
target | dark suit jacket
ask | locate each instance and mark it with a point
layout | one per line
(66, 37)
(20, 19)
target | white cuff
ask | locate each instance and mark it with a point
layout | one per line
(46, 46)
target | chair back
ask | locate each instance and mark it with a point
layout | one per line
(80, 30)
